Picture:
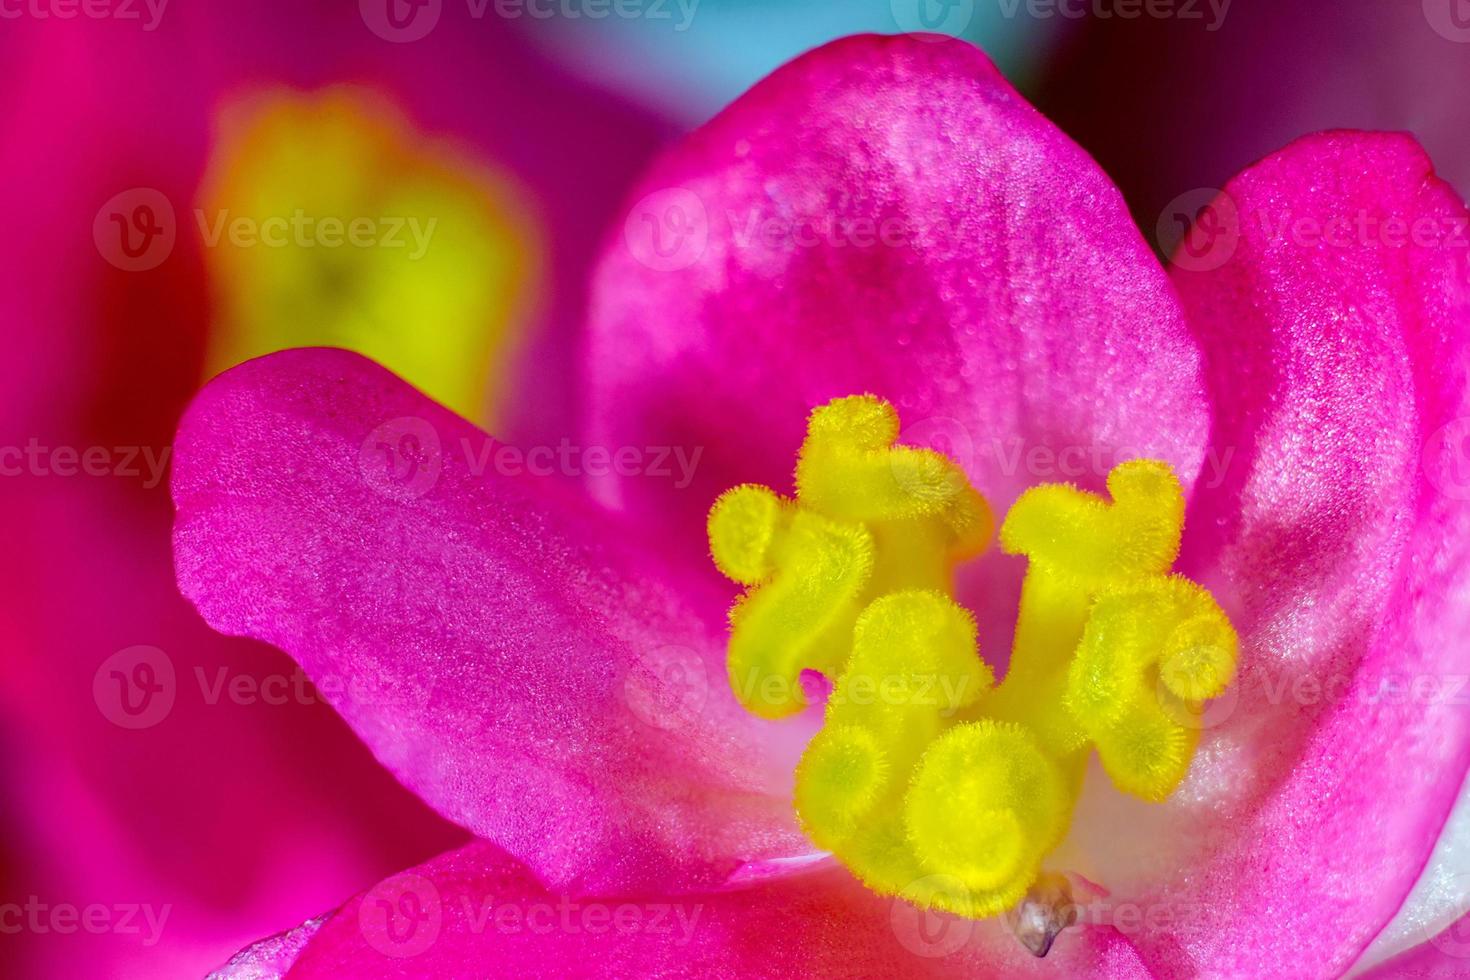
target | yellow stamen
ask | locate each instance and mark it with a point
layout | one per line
(801, 616)
(927, 779)
(1160, 632)
(985, 805)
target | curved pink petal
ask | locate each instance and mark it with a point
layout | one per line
(1439, 897)
(190, 813)
(1334, 321)
(1444, 956)
(103, 362)
(270, 958)
(474, 913)
(521, 662)
(885, 214)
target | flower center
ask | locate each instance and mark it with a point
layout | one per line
(929, 779)
(328, 220)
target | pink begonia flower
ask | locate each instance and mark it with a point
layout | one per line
(547, 669)
(226, 817)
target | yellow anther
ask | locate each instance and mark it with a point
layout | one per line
(913, 665)
(849, 468)
(1145, 752)
(841, 777)
(1159, 633)
(928, 780)
(985, 804)
(881, 856)
(801, 619)
(743, 525)
(917, 650)
(854, 422)
(1199, 657)
(1094, 542)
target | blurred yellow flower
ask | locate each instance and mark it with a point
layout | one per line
(327, 220)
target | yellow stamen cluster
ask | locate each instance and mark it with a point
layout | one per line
(926, 770)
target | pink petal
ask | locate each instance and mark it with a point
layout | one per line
(885, 214)
(518, 660)
(1439, 897)
(270, 958)
(1445, 956)
(216, 812)
(1338, 538)
(95, 812)
(474, 913)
